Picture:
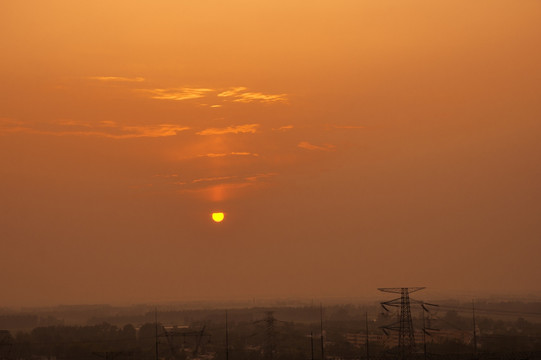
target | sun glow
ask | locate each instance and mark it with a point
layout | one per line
(218, 216)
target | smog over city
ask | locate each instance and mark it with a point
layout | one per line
(209, 179)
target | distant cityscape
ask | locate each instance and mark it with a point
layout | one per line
(386, 329)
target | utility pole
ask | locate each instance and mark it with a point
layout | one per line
(424, 335)
(156, 323)
(474, 331)
(426, 326)
(312, 344)
(322, 339)
(226, 338)
(367, 344)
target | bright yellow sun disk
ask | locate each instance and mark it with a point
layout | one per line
(218, 216)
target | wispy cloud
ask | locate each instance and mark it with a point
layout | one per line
(347, 127)
(166, 176)
(7, 122)
(214, 188)
(216, 155)
(234, 91)
(283, 128)
(117, 78)
(108, 129)
(256, 96)
(234, 94)
(9, 125)
(239, 94)
(213, 179)
(238, 129)
(306, 145)
(257, 177)
(229, 179)
(177, 94)
(241, 153)
(152, 131)
(73, 123)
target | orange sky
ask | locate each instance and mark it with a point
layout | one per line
(352, 144)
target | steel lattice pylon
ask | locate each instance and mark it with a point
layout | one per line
(404, 326)
(269, 347)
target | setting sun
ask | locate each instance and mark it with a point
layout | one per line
(218, 216)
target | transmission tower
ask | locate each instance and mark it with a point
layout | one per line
(404, 326)
(270, 335)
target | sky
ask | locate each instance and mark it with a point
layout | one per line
(351, 144)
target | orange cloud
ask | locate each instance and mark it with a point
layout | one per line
(232, 92)
(251, 97)
(117, 78)
(240, 95)
(259, 176)
(215, 155)
(347, 127)
(239, 129)
(177, 94)
(8, 123)
(213, 179)
(283, 128)
(108, 129)
(242, 153)
(306, 145)
(152, 131)
(221, 188)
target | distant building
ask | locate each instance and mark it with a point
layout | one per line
(359, 339)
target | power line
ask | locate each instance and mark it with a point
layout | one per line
(491, 311)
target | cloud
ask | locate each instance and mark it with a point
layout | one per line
(347, 127)
(9, 122)
(9, 125)
(152, 131)
(306, 145)
(251, 97)
(213, 155)
(239, 129)
(259, 176)
(213, 179)
(283, 128)
(213, 188)
(177, 94)
(216, 155)
(108, 129)
(117, 78)
(230, 179)
(235, 94)
(240, 95)
(232, 91)
(167, 176)
(223, 187)
(244, 154)
(68, 122)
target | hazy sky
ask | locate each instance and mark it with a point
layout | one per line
(352, 144)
